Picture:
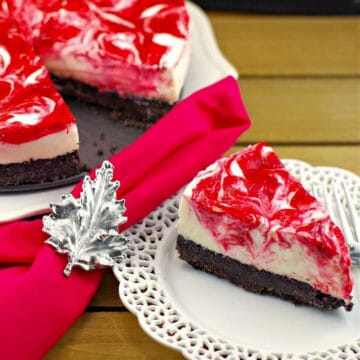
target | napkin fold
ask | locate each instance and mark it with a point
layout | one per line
(37, 302)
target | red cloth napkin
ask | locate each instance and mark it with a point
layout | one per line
(37, 303)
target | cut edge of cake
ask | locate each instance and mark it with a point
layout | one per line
(257, 281)
(140, 86)
(39, 138)
(134, 111)
(205, 246)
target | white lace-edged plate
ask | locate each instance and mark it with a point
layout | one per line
(205, 317)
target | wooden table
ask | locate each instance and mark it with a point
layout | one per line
(300, 80)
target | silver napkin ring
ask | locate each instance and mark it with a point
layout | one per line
(86, 229)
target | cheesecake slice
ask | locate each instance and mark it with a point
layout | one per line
(131, 56)
(247, 219)
(38, 133)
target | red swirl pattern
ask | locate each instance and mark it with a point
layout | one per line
(111, 43)
(30, 106)
(100, 30)
(252, 191)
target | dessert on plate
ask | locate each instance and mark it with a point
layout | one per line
(38, 133)
(131, 56)
(247, 219)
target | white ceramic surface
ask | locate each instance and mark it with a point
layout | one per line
(15, 206)
(205, 317)
(207, 65)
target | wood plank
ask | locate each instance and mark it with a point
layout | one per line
(107, 295)
(302, 110)
(345, 157)
(289, 45)
(109, 335)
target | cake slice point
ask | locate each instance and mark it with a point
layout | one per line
(38, 133)
(247, 219)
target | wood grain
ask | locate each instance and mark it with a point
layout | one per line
(302, 110)
(107, 295)
(109, 335)
(289, 45)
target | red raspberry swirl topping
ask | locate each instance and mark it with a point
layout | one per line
(250, 193)
(30, 107)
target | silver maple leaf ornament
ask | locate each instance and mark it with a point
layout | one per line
(87, 228)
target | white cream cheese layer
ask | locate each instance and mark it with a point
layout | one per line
(60, 143)
(293, 262)
(164, 85)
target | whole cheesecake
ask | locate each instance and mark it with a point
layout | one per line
(131, 56)
(38, 133)
(128, 55)
(247, 219)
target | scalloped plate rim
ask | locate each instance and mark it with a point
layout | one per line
(262, 352)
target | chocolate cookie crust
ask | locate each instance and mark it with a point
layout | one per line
(39, 171)
(254, 280)
(136, 112)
